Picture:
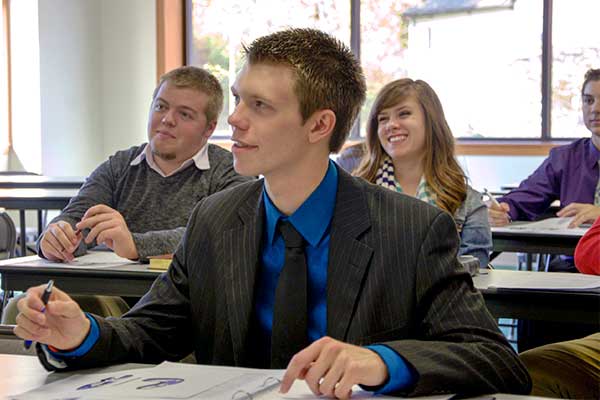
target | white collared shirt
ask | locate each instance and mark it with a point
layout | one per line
(200, 159)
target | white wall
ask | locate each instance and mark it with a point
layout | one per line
(70, 60)
(97, 73)
(128, 71)
(492, 172)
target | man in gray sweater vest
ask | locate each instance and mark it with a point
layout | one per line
(139, 200)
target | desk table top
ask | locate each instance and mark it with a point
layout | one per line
(40, 182)
(26, 373)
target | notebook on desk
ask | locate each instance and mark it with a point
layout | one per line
(550, 227)
(529, 280)
(181, 381)
(164, 381)
(93, 259)
(160, 263)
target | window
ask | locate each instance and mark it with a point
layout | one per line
(489, 61)
(219, 28)
(25, 104)
(487, 76)
(383, 46)
(575, 49)
(20, 120)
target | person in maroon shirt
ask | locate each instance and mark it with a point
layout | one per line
(587, 252)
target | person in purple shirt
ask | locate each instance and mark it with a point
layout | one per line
(569, 174)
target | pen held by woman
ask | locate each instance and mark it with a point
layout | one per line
(498, 213)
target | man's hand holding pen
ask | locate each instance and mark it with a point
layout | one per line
(60, 241)
(60, 323)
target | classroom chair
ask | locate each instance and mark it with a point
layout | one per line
(11, 344)
(8, 235)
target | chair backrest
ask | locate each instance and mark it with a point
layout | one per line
(6, 332)
(8, 234)
(11, 344)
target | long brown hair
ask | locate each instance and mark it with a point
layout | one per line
(442, 171)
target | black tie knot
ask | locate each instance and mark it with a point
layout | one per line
(290, 235)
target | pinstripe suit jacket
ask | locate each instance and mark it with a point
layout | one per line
(392, 278)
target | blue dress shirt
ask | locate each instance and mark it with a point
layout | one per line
(313, 221)
(88, 343)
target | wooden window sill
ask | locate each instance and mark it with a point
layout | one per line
(506, 147)
(499, 147)
(473, 147)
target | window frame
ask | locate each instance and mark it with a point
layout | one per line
(170, 35)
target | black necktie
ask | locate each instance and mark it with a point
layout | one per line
(290, 310)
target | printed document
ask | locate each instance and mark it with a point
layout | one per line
(564, 281)
(93, 259)
(551, 226)
(180, 381)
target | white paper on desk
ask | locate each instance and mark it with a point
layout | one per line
(549, 226)
(300, 391)
(200, 382)
(93, 259)
(185, 382)
(544, 281)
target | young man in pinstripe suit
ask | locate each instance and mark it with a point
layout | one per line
(389, 306)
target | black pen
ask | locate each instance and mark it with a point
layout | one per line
(45, 298)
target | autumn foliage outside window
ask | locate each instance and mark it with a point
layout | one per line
(483, 58)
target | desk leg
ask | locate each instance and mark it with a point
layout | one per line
(40, 220)
(542, 262)
(23, 233)
(5, 295)
(547, 258)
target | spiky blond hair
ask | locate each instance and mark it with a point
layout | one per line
(327, 75)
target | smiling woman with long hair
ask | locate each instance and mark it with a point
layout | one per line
(410, 149)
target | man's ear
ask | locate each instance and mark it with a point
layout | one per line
(321, 123)
(210, 128)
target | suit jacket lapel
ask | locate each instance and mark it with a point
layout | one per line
(241, 255)
(348, 257)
